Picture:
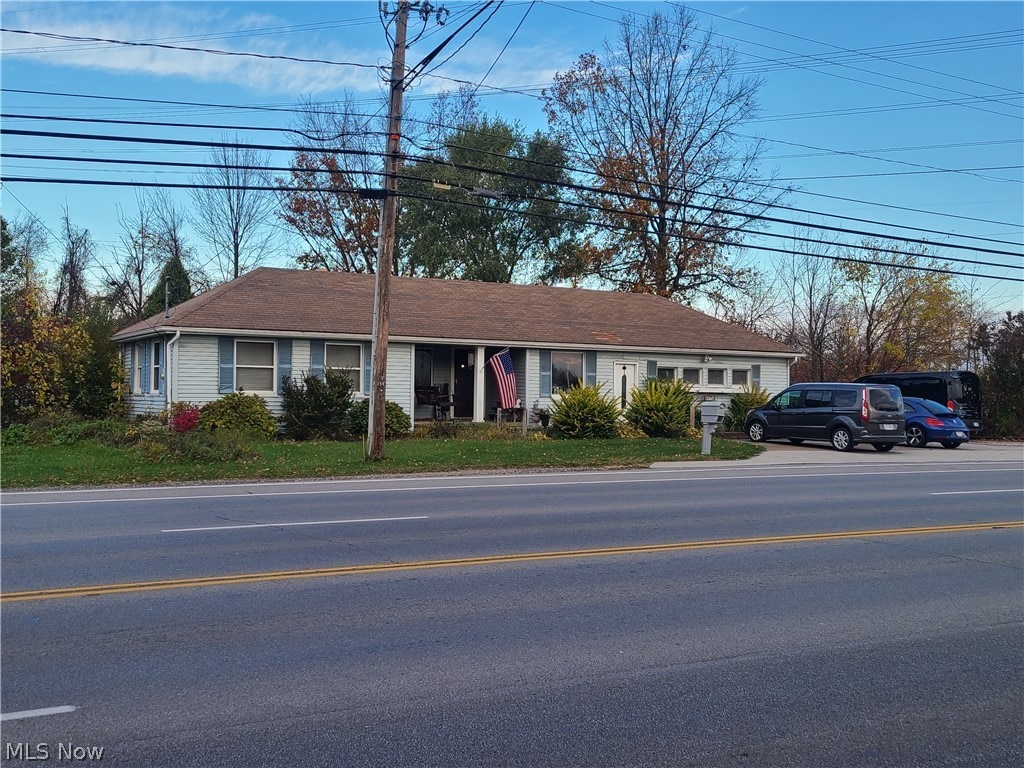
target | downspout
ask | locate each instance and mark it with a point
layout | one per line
(168, 378)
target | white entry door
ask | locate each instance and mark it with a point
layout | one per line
(623, 383)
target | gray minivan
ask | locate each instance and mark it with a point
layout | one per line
(838, 413)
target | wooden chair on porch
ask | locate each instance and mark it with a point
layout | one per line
(437, 396)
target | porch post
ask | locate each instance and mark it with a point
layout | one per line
(479, 384)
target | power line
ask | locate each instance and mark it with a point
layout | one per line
(861, 52)
(833, 74)
(571, 204)
(566, 185)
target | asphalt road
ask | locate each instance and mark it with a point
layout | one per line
(805, 610)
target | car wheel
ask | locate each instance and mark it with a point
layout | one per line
(883, 448)
(915, 437)
(796, 440)
(842, 440)
(755, 431)
(950, 444)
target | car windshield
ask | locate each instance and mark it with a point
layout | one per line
(937, 409)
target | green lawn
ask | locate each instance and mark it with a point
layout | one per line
(91, 463)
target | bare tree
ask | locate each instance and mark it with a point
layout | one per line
(233, 211)
(816, 298)
(135, 264)
(655, 119)
(25, 242)
(169, 229)
(71, 295)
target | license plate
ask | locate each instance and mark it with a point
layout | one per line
(889, 426)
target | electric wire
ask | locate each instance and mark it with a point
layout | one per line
(566, 185)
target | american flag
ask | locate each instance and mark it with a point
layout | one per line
(505, 376)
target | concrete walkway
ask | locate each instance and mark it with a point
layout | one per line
(782, 453)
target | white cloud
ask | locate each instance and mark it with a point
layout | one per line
(189, 25)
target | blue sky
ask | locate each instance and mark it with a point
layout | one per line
(905, 114)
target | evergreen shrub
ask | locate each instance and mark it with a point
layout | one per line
(583, 412)
(741, 404)
(316, 408)
(661, 408)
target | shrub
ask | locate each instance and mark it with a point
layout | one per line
(661, 408)
(741, 404)
(184, 417)
(396, 421)
(444, 429)
(582, 412)
(626, 431)
(317, 408)
(14, 434)
(239, 412)
(198, 446)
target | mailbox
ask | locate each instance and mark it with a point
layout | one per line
(712, 412)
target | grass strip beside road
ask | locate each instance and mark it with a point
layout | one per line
(463, 562)
(92, 464)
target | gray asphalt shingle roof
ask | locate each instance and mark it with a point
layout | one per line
(316, 302)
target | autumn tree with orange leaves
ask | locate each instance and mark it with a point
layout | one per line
(673, 187)
(339, 151)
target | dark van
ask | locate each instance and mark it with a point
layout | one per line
(838, 413)
(960, 391)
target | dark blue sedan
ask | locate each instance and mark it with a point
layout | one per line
(932, 422)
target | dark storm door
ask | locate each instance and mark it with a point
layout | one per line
(463, 384)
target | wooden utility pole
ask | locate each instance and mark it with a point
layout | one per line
(386, 245)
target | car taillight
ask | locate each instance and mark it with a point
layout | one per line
(951, 404)
(931, 421)
(864, 405)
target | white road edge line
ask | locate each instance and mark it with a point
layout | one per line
(288, 525)
(970, 493)
(24, 714)
(397, 478)
(487, 486)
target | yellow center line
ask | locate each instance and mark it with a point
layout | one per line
(352, 570)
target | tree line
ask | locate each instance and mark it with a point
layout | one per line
(641, 183)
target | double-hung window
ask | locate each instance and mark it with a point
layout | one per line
(139, 367)
(254, 366)
(348, 360)
(566, 370)
(156, 360)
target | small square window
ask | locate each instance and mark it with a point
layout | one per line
(716, 376)
(691, 375)
(346, 359)
(740, 378)
(666, 374)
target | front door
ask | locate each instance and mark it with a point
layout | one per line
(464, 379)
(623, 383)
